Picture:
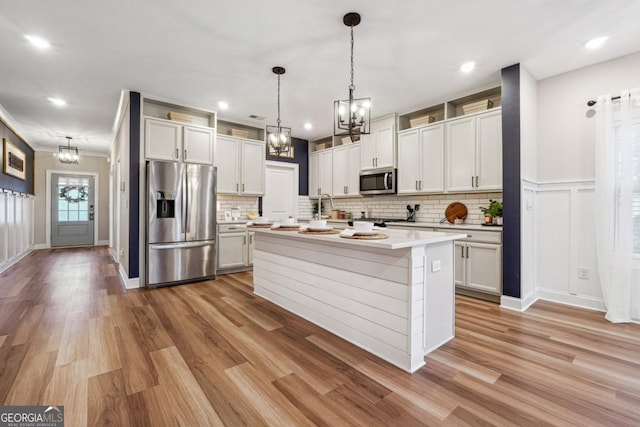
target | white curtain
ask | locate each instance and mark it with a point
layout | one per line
(617, 209)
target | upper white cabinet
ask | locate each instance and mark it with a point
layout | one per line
(320, 173)
(421, 160)
(379, 147)
(346, 170)
(474, 153)
(241, 165)
(169, 140)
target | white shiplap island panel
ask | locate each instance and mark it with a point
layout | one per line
(381, 295)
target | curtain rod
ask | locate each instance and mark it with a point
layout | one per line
(591, 102)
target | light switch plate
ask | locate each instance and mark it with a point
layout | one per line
(435, 266)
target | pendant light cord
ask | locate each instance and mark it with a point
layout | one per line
(278, 102)
(351, 86)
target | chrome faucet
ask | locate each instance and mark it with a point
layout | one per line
(320, 204)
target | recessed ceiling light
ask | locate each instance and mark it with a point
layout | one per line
(595, 43)
(223, 105)
(38, 42)
(57, 101)
(467, 67)
(308, 126)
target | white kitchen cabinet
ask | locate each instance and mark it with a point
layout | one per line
(346, 170)
(168, 140)
(320, 173)
(474, 153)
(241, 165)
(379, 147)
(235, 248)
(198, 143)
(421, 160)
(478, 266)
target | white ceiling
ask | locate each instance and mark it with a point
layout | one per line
(407, 55)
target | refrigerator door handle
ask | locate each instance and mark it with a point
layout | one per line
(182, 244)
(185, 203)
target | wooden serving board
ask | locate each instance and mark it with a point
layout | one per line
(455, 210)
(260, 225)
(372, 237)
(287, 228)
(319, 232)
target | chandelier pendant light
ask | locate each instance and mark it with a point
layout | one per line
(352, 116)
(278, 137)
(68, 154)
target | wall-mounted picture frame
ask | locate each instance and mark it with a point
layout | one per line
(14, 160)
(271, 152)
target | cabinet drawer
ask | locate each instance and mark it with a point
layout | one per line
(477, 236)
(231, 228)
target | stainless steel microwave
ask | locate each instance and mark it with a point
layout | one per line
(378, 181)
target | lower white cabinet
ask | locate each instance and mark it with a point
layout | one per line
(235, 248)
(479, 266)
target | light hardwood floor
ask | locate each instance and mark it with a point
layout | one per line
(214, 354)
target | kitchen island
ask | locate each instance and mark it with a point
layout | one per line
(392, 297)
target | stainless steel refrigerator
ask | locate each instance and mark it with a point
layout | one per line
(181, 226)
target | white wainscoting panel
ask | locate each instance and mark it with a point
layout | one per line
(16, 228)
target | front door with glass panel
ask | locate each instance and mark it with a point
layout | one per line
(72, 210)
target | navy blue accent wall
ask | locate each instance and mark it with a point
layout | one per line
(134, 185)
(10, 182)
(511, 237)
(301, 157)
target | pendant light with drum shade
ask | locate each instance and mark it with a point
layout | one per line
(278, 137)
(68, 154)
(352, 116)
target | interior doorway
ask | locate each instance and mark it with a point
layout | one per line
(280, 191)
(71, 208)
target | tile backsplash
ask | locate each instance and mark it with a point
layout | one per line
(432, 207)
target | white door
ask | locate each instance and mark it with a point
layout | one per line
(484, 267)
(340, 170)
(385, 147)
(253, 168)
(72, 210)
(408, 162)
(281, 191)
(162, 139)
(460, 263)
(326, 172)
(353, 171)
(198, 145)
(368, 151)
(314, 174)
(461, 157)
(431, 179)
(227, 160)
(489, 151)
(232, 250)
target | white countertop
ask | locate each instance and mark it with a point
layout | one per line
(446, 225)
(397, 239)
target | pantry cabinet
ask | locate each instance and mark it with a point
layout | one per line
(421, 160)
(346, 170)
(171, 141)
(474, 153)
(241, 166)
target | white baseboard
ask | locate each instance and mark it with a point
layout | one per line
(102, 243)
(580, 301)
(39, 246)
(518, 304)
(133, 283)
(114, 255)
(10, 262)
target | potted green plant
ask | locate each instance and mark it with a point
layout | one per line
(494, 210)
